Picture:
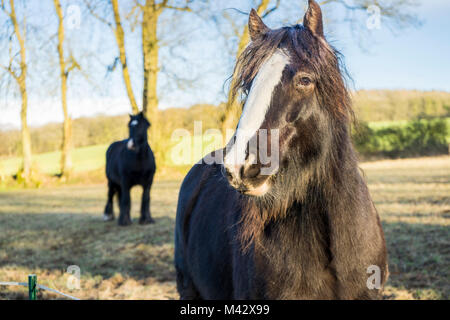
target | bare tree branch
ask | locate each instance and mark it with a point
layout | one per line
(274, 8)
(96, 15)
(10, 71)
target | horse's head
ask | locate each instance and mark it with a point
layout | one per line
(293, 90)
(138, 127)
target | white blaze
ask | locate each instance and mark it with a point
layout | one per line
(256, 106)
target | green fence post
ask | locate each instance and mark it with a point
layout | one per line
(32, 284)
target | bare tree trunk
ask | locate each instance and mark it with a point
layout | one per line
(150, 50)
(26, 138)
(151, 11)
(66, 158)
(21, 81)
(120, 38)
(233, 108)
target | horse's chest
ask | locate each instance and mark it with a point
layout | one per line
(136, 164)
(293, 263)
(138, 168)
(137, 171)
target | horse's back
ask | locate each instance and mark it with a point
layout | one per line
(202, 235)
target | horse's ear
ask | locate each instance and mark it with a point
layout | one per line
(313, 19)
(256, 26)
(142, 115)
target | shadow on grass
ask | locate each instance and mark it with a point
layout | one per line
(419, 257)
(56, 241)
(418, 253)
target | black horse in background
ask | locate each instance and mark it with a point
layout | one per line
(307, 229)
(128, 163)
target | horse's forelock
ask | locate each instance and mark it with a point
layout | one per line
(321, 57)
(252, 58)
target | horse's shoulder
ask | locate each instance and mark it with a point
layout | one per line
(196, 175)
(194, 183)
(116, 145)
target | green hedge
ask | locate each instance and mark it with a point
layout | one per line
(416, 138)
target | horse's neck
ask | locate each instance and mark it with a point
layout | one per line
(303, 238)
(143, 151)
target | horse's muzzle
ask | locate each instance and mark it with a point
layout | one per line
(247, 179)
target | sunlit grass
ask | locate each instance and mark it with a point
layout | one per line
(386, 124)
(84, 159)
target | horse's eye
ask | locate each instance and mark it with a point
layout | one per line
(305, 81)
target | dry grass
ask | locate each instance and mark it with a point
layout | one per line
(413, 199)
(44, 231)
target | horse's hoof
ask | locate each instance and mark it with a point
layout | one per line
(108, 217)
(124, 223)
(146, 221)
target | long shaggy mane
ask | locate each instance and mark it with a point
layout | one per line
(331, 90)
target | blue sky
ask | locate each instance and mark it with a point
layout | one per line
(414, 58)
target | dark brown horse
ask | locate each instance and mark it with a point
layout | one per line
(304, 229)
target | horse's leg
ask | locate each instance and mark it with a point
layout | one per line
(109, 208)
(119, 195)
(125, 205)
(145, 206)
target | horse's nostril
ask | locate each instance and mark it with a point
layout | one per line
(233, 171)
(228, 173)
(252, 171)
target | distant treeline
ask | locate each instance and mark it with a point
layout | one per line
(383, 105)
(394, 105)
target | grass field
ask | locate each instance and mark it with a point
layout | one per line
(386, 124)
(44, 231)
(84, 159)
